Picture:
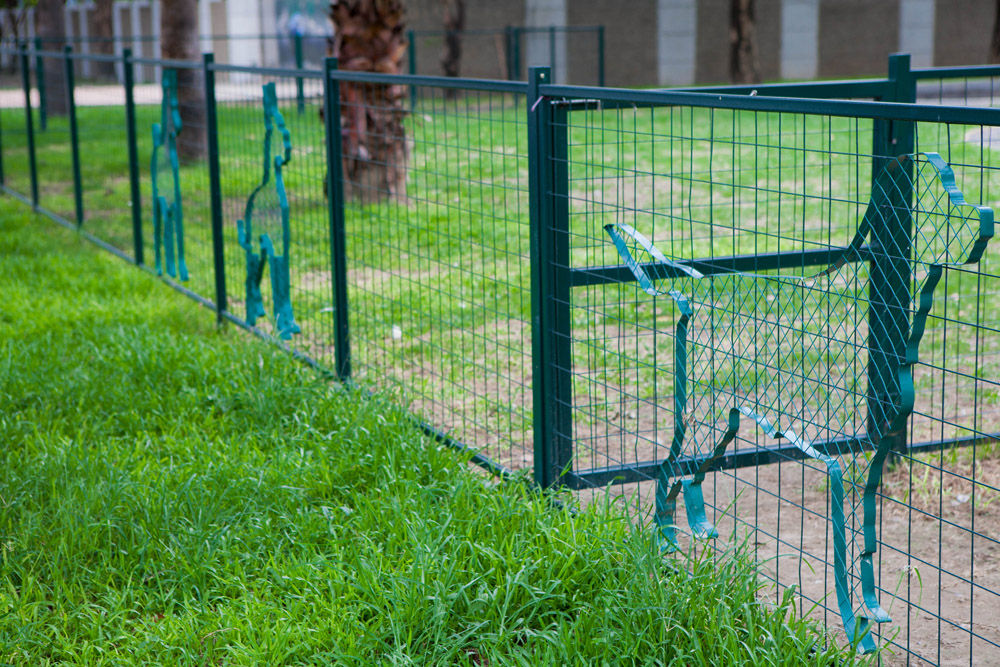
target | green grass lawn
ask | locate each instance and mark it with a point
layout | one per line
(174, 495)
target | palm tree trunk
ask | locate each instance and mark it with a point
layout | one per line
(179, 41)
(369, 37)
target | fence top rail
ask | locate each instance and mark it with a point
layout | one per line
(825, 89)
(435, 32)
(486, 85)
(153, 38)
(962, 72)
(283, 72)
(579, 95)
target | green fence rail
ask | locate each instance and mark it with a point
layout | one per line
(772, 304)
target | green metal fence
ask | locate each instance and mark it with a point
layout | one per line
(770, 306)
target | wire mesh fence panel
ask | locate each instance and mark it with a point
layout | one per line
(103, 146)
(276, 222)
(14, 125)
(437, 250)
(172, 138)
(719, 320)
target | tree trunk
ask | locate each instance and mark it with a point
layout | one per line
(369, 37)
(179, 41)
(50, 25)
(744, 62)
(103, 31)
(454, 23)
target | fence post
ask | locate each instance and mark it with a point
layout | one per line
(335, 206)
(517, 54)
(552, 52)
(411, 64)
(74, 136)
(43, 98)
(29, 124)
(215, 187)
(551, 351)
(128, 75)
(889, 282)
(600, 56)
(300, 96)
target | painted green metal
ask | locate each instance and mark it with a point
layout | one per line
(890, 266)
(128, 69)
(411, 64)
(338, 237)
(29, 125)
(43, 96)
(168, 214)
(947, 238)
(215, 189)
(609, 98)
(600, 56)
(550, 282)
(516, 57)
(74, 135)
(256, 262)
(300, 95)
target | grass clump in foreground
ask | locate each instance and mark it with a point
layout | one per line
(172, 495)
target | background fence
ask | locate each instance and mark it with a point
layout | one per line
(488, 297)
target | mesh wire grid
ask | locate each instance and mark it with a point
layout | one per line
(711, 184)
(439, 280)
(14, 126)
(242, 136)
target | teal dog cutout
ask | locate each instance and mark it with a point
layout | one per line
(780, 351)
(168, 218)
(257, 262)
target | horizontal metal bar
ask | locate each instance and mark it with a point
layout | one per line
(95, 57)
(771, 261)
(171, 64)
(644, 471)
(269, 71)
(487, 85)
(956, 72)
(845, 108)
(818, 89)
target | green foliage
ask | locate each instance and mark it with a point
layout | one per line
(174, 495)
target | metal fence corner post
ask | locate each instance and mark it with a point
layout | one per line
(300, 97)
(551, 350)
(411, 64)
(600, 56)
(891, 238)
(128, 76)
(29, 124)
(43, 98)
(335, 206)
(74, 135)
(215, 188)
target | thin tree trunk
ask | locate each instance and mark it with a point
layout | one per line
(454, 23)
(369, 37)
(744, 62)
(179, 41)
(50, 25)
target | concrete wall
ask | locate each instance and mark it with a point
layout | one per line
(857, 36)
(962, 31)
(630, 42)
(483, 56)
